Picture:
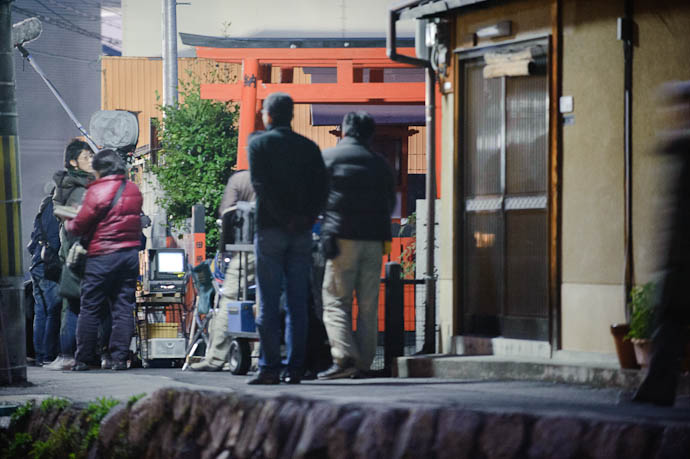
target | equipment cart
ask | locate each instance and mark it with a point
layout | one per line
(160, 328)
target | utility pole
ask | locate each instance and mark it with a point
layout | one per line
(12, 332)
(169, 32)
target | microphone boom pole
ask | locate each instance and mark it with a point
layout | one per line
(26, 31)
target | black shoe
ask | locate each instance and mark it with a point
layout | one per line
(338, 372)
(264, 378)
(291, 377)
(81, 366)
(658, 387)
(309, 375)
(118, 366)
(358, 374)
(655, 396)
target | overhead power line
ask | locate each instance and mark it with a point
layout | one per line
(67, 25)
(74, 10)
(60, 56)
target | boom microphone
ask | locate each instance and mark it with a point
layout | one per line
(29, 30)
(26, 31)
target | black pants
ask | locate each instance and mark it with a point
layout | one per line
(109, 282)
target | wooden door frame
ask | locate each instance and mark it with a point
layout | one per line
(554, 174)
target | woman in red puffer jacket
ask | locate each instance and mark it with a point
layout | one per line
(112, 263)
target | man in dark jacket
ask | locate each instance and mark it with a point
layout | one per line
(289, 178)
(47, 302)
(110, 217)
(357, 222)
(672, 315)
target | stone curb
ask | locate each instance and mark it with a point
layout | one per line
(175, 423)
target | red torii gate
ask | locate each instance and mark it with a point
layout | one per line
(349, 56)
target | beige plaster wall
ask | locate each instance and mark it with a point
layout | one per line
(662, 54)
(587, 313)
(141, 21)
(592, 294)
(593, 146)
(528, 17)
(592, 262)
(446, 301)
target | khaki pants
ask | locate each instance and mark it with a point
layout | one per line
(357, 268)
(217, 353)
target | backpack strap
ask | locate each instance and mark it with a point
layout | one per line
(42, 209)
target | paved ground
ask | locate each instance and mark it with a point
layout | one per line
(539, 398)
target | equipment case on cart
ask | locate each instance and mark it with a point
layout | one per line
(160, 331)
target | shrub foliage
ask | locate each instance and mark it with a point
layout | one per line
(198, 151)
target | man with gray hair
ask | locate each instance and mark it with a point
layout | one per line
(289, 178)
(357, 222)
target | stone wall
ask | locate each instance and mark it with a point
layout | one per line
(192, 424)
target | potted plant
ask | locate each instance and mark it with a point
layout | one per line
(624, 347)
(642, 321)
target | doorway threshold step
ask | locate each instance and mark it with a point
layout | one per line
(557, 370)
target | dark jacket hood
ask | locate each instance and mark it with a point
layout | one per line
(66, 181)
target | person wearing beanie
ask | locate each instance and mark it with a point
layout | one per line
(356, 224)
(289, 178)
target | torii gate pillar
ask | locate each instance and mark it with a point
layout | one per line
(250, 73)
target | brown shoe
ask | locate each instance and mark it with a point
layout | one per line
(338, 372)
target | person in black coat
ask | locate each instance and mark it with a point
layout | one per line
(357, 222)
(672, 315)
(289, 178)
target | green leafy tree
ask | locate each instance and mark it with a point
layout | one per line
(198, 151)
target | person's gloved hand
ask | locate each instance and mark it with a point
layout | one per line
(330, 246)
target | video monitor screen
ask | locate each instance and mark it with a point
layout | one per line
(170, 262)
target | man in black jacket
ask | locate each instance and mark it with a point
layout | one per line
(289, 177)
(672, 315)
(357, 222)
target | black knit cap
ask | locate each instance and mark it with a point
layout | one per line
(279, 105)
(359, 124)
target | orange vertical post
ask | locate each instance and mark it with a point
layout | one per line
(250, 73)
(345, 73)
